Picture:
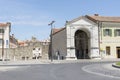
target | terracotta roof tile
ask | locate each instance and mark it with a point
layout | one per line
(103, 18)
(3, 25)
(56, 30)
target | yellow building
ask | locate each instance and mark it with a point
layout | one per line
(110, 39)
(109, 35)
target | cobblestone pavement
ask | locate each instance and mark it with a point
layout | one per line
(103, 70)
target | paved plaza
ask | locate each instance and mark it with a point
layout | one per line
(103, 70)
(59, 70)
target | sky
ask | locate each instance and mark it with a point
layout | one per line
(31, 17)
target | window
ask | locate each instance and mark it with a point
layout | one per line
(108, 50)
(1, 30)
(107, 32)
(0, 42)
(117, 32)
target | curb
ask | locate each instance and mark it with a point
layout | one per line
(23, 63)
(116, 66)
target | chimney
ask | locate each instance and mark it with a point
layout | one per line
(96, 14)
(8, 23)
(12, 35)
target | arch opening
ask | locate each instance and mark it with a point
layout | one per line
(81, 45)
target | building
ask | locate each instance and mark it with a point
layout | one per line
(13, 42)
(88, 37)
(5, 29)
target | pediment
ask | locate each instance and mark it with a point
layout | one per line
(81, 21)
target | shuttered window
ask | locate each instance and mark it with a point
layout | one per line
(107, 32)
(1, 30)
(117, 32)
(0, 42)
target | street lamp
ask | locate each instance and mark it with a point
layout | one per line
(2, 31)
(51, 50)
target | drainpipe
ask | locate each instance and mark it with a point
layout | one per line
(99, 26)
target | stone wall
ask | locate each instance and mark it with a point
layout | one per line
(59, 44)
(26, 52)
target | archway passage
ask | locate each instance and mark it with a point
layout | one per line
(81, 45)
(118, 52)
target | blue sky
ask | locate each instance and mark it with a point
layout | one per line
(31, 17)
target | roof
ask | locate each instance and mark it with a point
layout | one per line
(96, 18)
(3, 24)
(56, 30)
(74, 20)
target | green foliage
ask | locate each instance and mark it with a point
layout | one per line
(118, 63)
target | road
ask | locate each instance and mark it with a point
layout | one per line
(66, 71)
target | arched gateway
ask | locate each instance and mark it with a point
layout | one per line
(80, 39)
(81, 44)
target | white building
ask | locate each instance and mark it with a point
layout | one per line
(83, 38)
(4, 38)
(5, 34)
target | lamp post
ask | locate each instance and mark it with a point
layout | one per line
(2, 31)
(51, 48)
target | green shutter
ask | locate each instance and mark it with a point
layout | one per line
(104, 34)
(110, 32)
(115, 32)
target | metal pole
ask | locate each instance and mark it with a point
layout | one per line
(51, 48)
(2, 44)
